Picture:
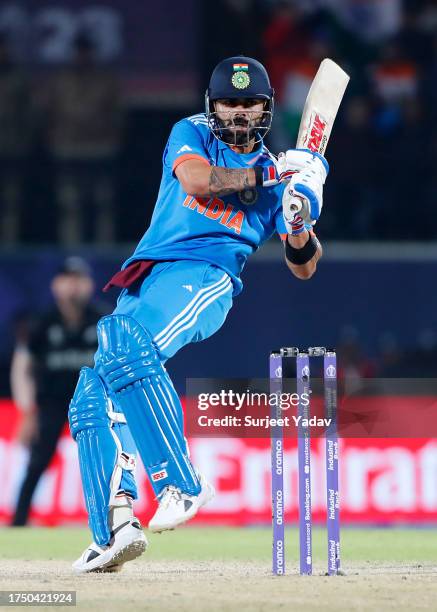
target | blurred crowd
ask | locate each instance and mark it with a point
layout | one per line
(64, 134)
(390, 360)
(387, 124)
(59, 141)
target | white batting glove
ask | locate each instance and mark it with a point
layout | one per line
(292, 161)
(305, 173)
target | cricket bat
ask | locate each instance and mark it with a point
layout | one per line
(321, 107)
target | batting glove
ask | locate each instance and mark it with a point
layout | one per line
(305, 173)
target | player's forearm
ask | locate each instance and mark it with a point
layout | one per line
(200, 179)
(23, 385)
(223, 181)
(303, 271)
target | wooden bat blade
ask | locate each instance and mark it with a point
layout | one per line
(321, 106)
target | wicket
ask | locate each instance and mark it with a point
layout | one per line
(304, 460)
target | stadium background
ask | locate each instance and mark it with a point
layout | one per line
(373, 297)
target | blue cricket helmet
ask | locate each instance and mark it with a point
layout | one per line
(240, 77)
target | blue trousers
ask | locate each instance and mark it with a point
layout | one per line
(178, 303)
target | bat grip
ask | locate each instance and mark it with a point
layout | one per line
(296, 204)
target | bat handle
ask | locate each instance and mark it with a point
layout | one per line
(296, 204)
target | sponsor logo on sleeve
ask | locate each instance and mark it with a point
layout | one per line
(184, 149)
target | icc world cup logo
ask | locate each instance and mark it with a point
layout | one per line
(331, 371)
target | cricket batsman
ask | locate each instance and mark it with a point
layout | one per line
(222, 195)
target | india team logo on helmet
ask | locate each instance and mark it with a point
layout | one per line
(240, 79)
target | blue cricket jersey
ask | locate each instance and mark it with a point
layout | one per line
(223, 230)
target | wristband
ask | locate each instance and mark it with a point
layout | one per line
(259, 175)
(265, 175)
(299, 257)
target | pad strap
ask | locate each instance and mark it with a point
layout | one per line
(125, 461)
(116, 417)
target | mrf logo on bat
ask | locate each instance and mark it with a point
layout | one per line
(316, 134)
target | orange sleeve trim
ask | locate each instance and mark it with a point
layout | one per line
(186, 157)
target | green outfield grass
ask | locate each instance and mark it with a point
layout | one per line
(220, 543)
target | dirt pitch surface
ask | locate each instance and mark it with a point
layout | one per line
(201, 586)
(209, 585)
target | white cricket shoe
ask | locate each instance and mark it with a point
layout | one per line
(176, 507)
(127, 542)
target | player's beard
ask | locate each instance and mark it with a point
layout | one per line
(238, 131)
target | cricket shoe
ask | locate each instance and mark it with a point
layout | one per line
(127, 542)
(176, 508)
